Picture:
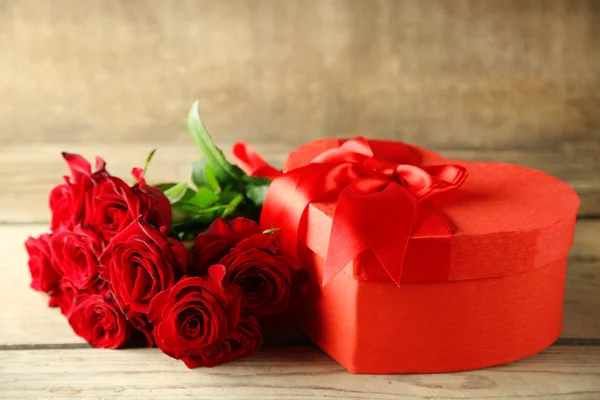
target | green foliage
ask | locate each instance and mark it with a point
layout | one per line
(216, 188)
(256, 189)
(176, 192)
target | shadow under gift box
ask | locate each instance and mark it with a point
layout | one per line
(512, 228)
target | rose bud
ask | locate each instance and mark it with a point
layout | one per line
(99, 322)
(76, 253)
(67, 201)
(140, 262)
(220, 237)
(196, 315)
(244, 341)
(264, 275)
(44, 274)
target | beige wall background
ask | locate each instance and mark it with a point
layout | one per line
(515, 81)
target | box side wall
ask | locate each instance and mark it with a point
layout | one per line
(329, 314)
(454, 326)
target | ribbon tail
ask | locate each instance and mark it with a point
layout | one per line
(290, 194)
(380, 221)
(251, 162)
(275, 214)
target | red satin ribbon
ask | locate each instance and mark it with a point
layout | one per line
(251, 162)
(379, 204)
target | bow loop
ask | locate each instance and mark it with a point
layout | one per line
(425, 181)
(357, 228)
(251, 162)
(354, 150)
(378, 202)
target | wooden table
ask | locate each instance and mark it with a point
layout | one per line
(40, 357)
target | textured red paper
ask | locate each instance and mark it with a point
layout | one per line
(379, 328)
(500, 300)
(505, 219)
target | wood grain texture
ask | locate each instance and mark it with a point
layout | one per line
(29, 322)
(28, 172)
(26, 320)
(445, 73)
(561, 372)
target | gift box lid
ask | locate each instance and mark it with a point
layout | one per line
(505, 219)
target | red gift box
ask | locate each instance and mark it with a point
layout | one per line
(415, 267)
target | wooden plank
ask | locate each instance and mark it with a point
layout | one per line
(28, 172)
(459, 72)
(561, 372)
(28, 322)
(581, 315)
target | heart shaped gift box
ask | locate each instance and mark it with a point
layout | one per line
(466, 276)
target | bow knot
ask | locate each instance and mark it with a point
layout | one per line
(379, 202)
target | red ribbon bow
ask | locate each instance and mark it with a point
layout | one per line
(379, 203)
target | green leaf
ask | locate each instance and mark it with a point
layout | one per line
(227, 195)
(148, 159)
(270, 231)
(198, 174)
(176, 193)
(257, 194)
(224, 171)
(231, 207)
(204, 175)
(179, 214)
(165, 186)
(146, 164)
(194, 211)
(256, 190)
(211, 179)
(203, 198)
(197, 215)
(189, 194)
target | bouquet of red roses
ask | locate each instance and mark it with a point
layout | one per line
(183, 266)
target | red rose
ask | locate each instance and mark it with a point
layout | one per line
(156, 205)
(67, 297)
(243, 341)
(104, 202)
(99, 322)
(44, 275)
(64, 296)
(76, 253)
(67, 294)
(111, 206)
(218, 239)
(67, 200)
(264, 275)
(60, 201)
(140, 262)
(196, 315)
